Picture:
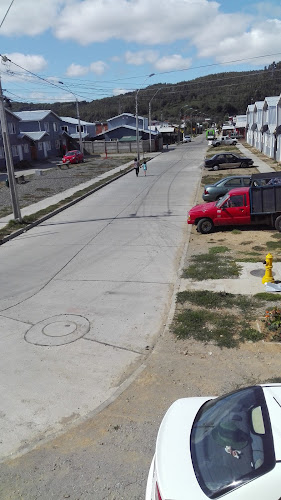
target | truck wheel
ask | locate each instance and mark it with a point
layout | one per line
(278, 224)
(244, 164)
(215, 167)
(205, 226)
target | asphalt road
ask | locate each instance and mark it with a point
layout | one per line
(84, 297)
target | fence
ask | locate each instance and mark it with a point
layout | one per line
(114, 147)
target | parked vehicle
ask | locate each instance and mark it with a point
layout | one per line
(227, 141)
(213, 192)
(227, 160)
(74, 156)
(258, 204)
(226, 447)
(186, 138)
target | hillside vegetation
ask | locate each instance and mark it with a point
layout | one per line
(215, 96)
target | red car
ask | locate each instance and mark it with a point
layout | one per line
(74, 156)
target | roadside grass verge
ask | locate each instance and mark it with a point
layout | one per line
(217, 317)
(14, 225)
(212, 265)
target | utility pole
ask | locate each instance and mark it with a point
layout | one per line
(9, 159)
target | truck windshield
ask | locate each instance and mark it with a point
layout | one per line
(231, 441)
(221, 201)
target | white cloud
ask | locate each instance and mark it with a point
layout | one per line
(141, 57)
(77, 70)
(174, 62)
(120, 91)
(98, 67)
(33, 63)
(29, 17)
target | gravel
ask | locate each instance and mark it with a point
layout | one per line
(56, 180)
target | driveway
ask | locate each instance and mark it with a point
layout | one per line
(85, 295)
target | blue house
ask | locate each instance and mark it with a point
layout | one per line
(42, 129)
(71, 127)
(124, 126)
(20, 146)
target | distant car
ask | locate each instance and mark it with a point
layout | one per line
(213, 192)
(228, 141)
(186, 138)
(74, 156)
(227, 160)
(226, 447)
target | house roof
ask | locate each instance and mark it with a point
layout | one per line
(74, 121)
(35, 115)
(165, 129)
(250, 108)
(123, 114)
(272, 101)
(259, 104)
(129, 127)
(34, 136)
(77, 135)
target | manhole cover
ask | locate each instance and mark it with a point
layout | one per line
(58, 330)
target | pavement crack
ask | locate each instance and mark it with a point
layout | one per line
(112, 345)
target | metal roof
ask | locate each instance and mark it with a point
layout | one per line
(36, 115)
(272, 101)
(34, 136)
(77, 135)
(74, 121)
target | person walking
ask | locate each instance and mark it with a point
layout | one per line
(144, 166)
(136, 166)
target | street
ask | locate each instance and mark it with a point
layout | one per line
(85, 295)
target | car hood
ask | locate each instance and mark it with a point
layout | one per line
(174, 469)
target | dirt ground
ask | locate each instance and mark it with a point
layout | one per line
(108, 456)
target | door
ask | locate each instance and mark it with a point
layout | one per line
(231, 161)
(45, 150)
(234, 211)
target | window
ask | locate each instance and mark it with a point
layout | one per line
(235, 425)
(15, 151)
(48, 145)
(40, 146)
(246, 181)
(26, 148)
(233, 182)
(81, 128)
(11, 128)
(64, 128)
(55, 126)
(46, 126)
(236, 201)
(57, 144)
(1, 152)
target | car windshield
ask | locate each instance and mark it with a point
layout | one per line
(231, 441)
(71, 153)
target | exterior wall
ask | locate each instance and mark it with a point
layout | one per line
(126, 119)
(52, 125)
(73, 128)
(20, 147)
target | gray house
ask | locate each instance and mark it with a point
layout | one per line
(71, 127)
(20, 146)
(124, 126)
(42, 128)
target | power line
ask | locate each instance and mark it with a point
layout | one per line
(6, 13)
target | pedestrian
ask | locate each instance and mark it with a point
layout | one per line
(136, 166)
(144, 166)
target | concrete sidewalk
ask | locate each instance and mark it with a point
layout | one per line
(261, 165)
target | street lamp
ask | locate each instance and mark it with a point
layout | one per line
(137, 117)
(78, 117)
(149, 116)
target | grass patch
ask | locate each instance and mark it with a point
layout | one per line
(221, 249)
(236, 231)
(211, 266)
(276, 236)
(273, 245)
(246, 242)
(259, 248)
(267, 297)
(196, 317)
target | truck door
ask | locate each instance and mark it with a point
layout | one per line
(234, 211)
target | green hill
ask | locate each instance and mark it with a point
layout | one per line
(215, 96)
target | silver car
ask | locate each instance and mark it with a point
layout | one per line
(213, 192)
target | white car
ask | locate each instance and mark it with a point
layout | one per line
(186, 138)
(226, 447)
(228, 141)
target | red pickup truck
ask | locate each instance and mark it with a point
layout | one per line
(258, 204)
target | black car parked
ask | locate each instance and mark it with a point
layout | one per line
(227, 160)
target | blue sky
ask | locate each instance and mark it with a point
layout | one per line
(100, 48)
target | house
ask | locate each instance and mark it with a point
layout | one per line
(257, 124)
(42, 128)
(125, 125)
(71, 127)
(269, 139)
(20, 146)
(250, 124)
(240, 123)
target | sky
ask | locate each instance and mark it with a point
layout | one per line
(92, 49)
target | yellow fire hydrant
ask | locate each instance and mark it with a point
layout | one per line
(268, 278)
